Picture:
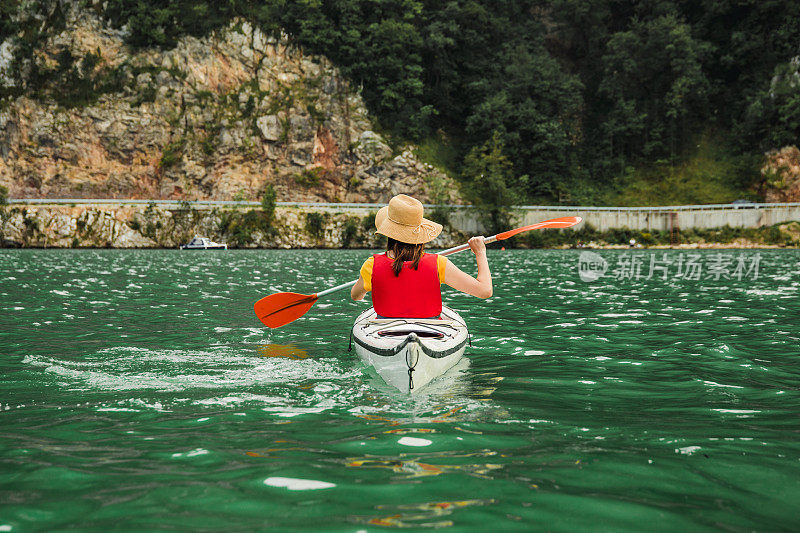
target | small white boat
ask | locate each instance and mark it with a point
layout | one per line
(410, 352)
(202, 243)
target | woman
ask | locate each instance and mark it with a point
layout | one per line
(405, 281)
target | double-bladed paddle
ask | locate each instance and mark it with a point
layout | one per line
(279, 309)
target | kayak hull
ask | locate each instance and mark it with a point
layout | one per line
(409, 353)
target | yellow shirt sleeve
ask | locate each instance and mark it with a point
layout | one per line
(441, 264)
(366, 273)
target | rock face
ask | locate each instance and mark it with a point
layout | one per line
(148, 226)
(781, 174)
(212, 118)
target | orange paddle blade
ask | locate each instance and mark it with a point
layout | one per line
(563, 222)
(281, 308)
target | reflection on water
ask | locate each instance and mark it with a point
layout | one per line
(280, 350)
(416, 468)
(421, 515)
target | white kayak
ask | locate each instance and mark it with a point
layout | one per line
(410, 352)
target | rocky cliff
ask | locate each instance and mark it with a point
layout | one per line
(213, 118)
(781, 175)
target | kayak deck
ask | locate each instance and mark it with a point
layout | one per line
(408, 352)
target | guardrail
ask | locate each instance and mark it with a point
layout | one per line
(327, 205)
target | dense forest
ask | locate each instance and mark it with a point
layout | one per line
(545, 101)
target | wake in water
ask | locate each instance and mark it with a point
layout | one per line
(282, 380)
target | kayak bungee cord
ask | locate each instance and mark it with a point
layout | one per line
(409, 365)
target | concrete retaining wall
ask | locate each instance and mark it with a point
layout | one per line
(684, 218)
(698, 217)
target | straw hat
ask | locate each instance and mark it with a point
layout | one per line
(402, 220)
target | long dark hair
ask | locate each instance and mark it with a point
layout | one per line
(404, 252)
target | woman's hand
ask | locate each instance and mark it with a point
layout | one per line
(477, 246)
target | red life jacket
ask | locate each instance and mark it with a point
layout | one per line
(412, 294)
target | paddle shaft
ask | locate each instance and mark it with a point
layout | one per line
(453, 250)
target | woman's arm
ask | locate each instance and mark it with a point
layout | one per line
(362, 286)
(459, 280)
(358, 291)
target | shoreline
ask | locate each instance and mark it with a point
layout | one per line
(692, 246)
(149, 226)
(688, 246)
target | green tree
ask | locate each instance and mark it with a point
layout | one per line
(4, 213)
(749, 40)
(655, 86)
(459, 42)
(268, 201)
(773, 118)
(8, 11)
(376, 44)
(534, 107)
(488, 172)
(161, 23)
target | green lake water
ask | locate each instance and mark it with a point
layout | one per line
(140, 392)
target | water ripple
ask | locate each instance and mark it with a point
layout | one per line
(140, 387)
